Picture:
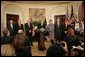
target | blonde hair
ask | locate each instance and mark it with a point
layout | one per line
(7, 50)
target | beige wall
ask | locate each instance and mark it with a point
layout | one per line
(23, 10)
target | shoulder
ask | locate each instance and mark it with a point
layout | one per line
(2, 37)
(22, 24)
(25, 23)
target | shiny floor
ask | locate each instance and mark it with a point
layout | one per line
(36, 52)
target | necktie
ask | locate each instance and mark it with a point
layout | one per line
(29, 24)
(58, 24)
(12, 26)
(19, 25)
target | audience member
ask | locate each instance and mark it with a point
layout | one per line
(72, 39)
(7, 50)
(57, 49)
(22, 45)
(6, 39)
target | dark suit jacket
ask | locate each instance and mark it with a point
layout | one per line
(24, 51)
(6, 40)
(27, 29)
(27, 41)
(41, 26)
(59, 31)
(12, 31)
(60, 28)
(18, 27)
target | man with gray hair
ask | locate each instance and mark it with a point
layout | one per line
(11, 27)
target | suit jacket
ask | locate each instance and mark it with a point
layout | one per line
(12, 31)
(41, 26)
(59, 31)
(60, 28)
(23, 51)
(19, 27)
(6, 40)
(28, 28)
(27, 41)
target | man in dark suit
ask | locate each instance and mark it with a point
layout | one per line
(11, 28)
(19, 26)
(28, 30)
(59, 30)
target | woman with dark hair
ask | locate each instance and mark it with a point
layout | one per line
(58, 49)
(6, 39)
(21, 44)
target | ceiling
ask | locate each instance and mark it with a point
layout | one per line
(43, 2)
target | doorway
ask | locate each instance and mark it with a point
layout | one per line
(59, 27)
(13, 17)
(61, 17)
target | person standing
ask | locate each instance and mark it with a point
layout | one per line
(59, 30)
(41, 42)
(11, 28)
(19, 26)
(50, 28)
(28, 30)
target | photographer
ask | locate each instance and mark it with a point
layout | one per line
(58, 49)
(72, 39)
(77, 50)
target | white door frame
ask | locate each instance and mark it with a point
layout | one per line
(11, 13)
(52, 16)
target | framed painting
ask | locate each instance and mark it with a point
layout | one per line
(37, 14)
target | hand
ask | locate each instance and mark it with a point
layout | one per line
(65, 31)
(74, 47)
(33, 34)
(80, 48)
(64, 47)
(29, 31)
(82, 44)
